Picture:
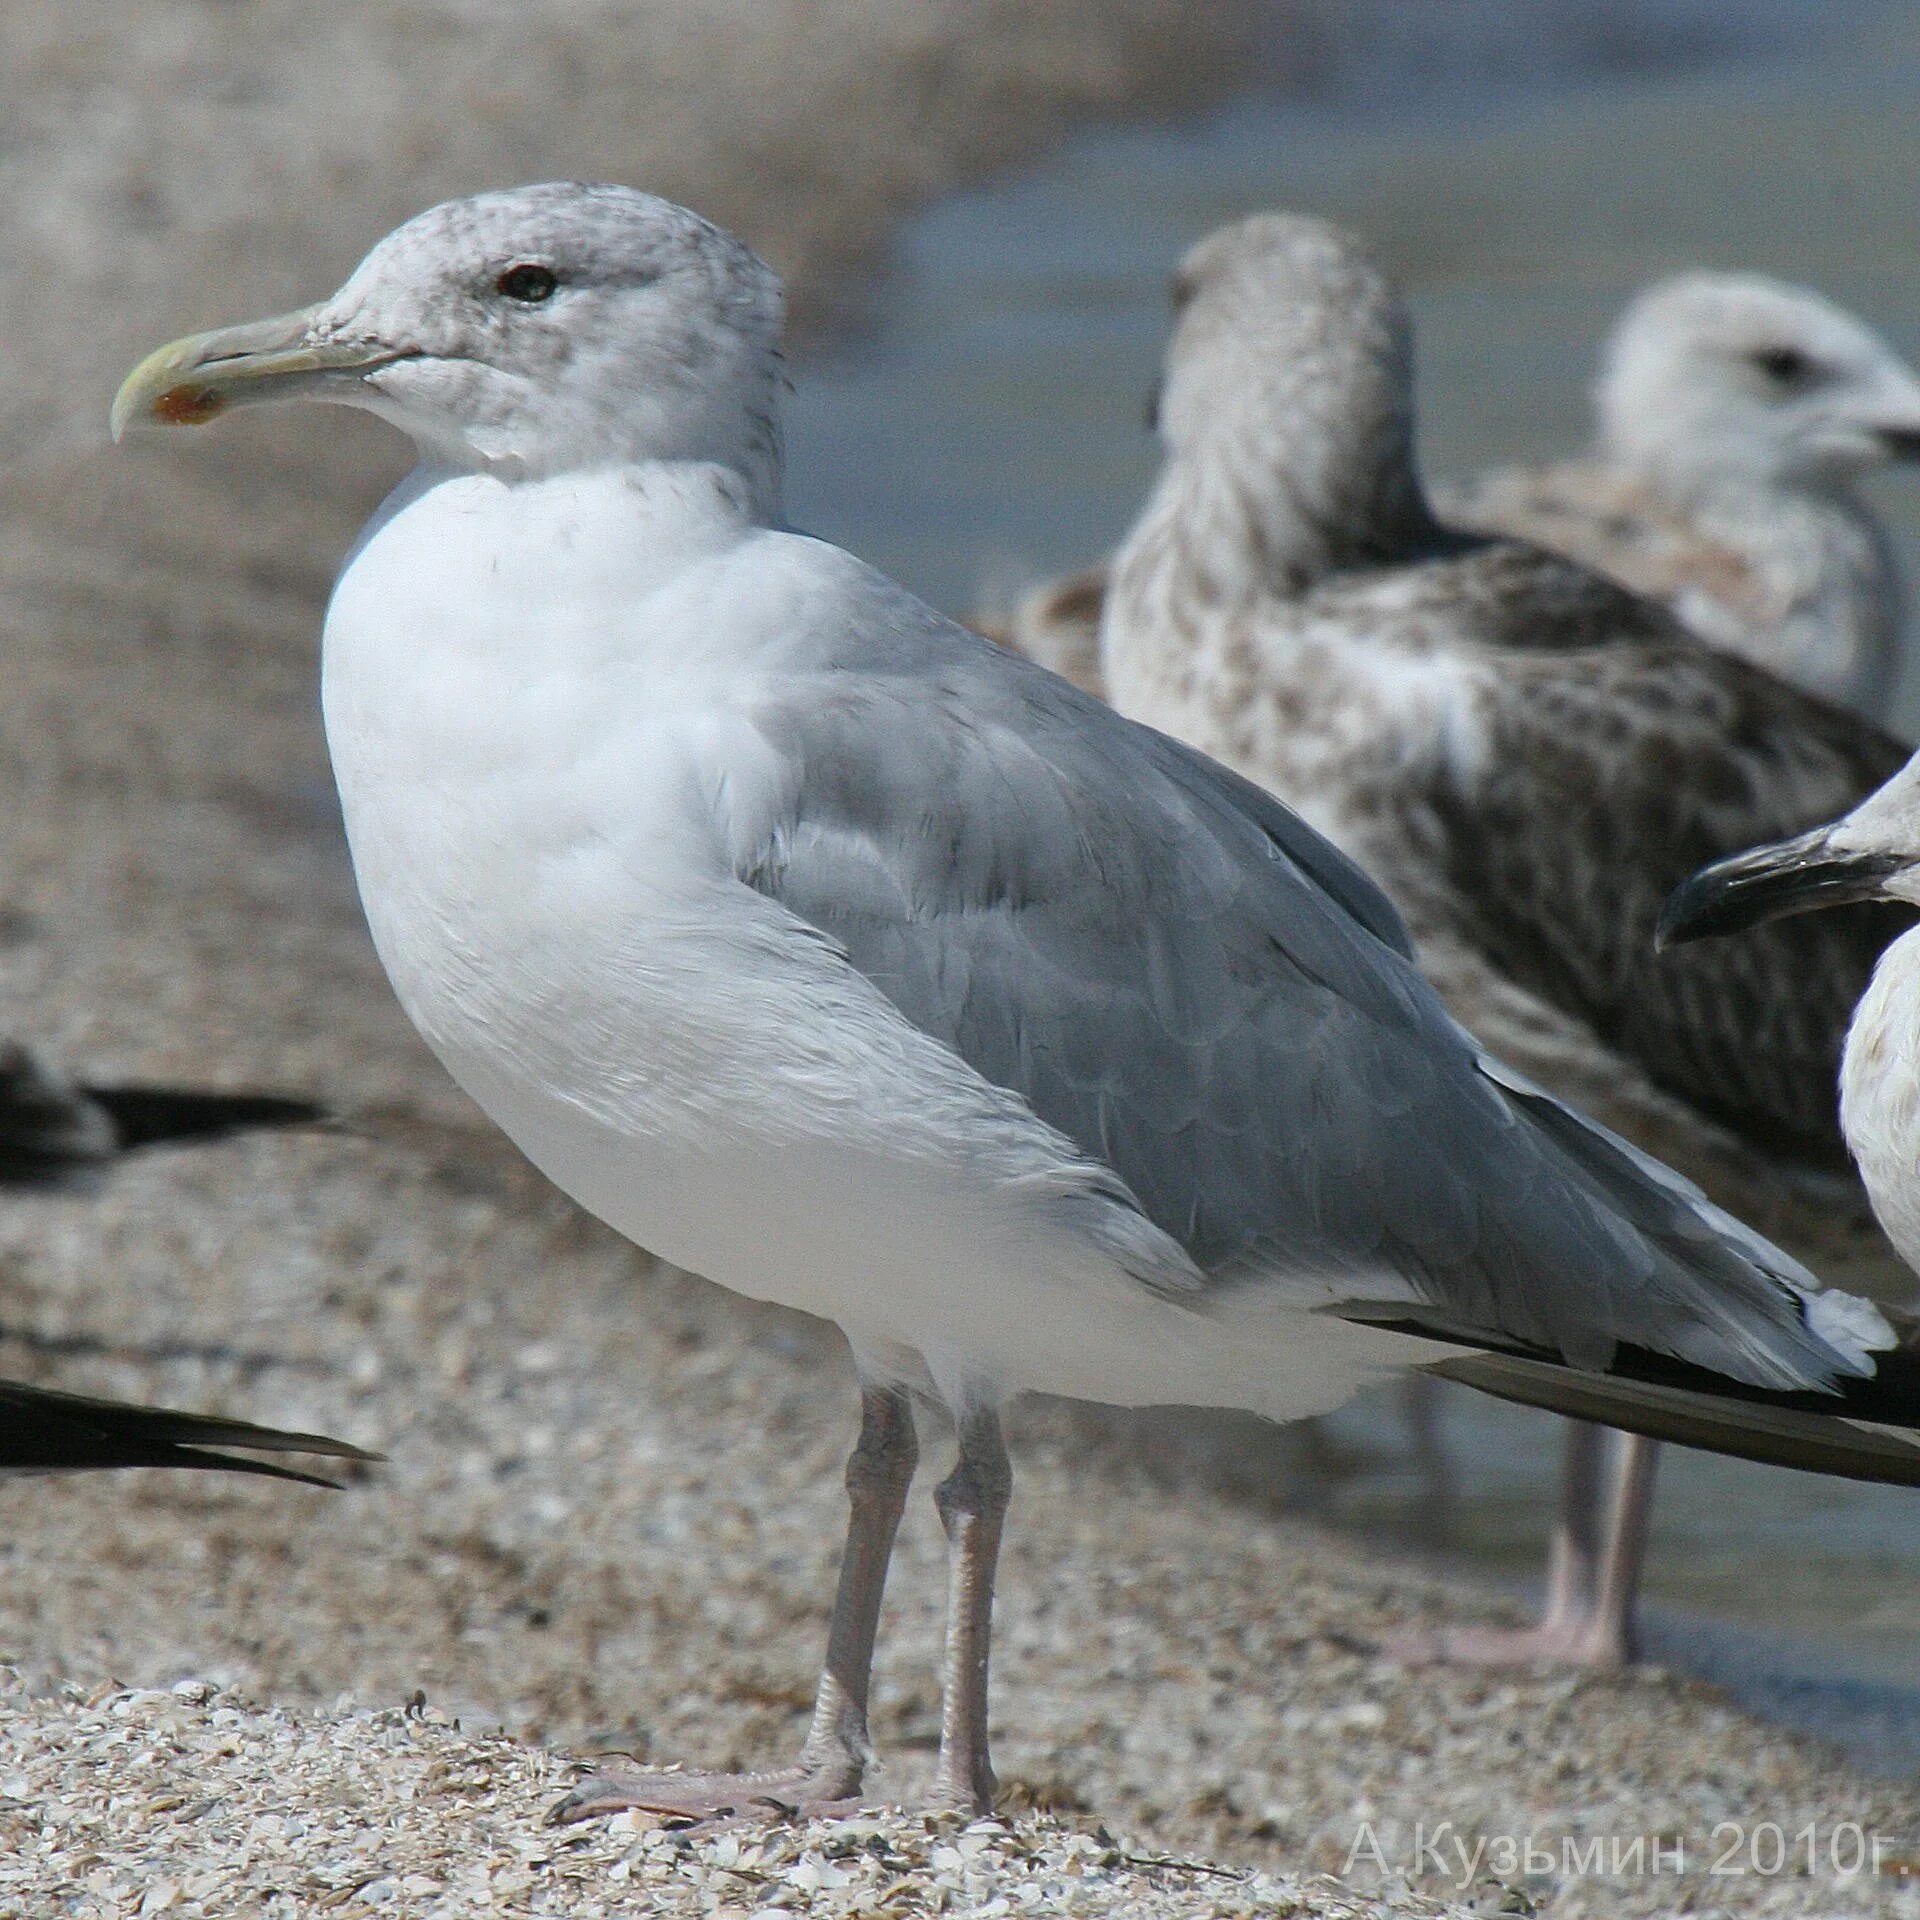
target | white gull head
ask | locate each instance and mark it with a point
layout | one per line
(530, 332)
(1711, 378)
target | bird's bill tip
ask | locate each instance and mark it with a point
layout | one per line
(1796, 876)
(188, 382)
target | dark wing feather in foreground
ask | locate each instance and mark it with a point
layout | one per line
(43, 1431)
(1623, 757)
(1182, 978)
(1650, 1393)
(52, 1132)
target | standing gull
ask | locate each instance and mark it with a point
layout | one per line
(1736, 416)
(832, 952)
(1526, 756)
(1872, 854)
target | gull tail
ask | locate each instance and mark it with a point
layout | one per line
(1866, 1428)
(46, 1431)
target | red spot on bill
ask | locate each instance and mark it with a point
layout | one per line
(187, 406)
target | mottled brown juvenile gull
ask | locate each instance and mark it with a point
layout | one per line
(1871, 854)
(1735, 417)
(1526, 756)
(830, 951)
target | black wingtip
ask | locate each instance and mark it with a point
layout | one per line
(43, 1430)
(146, 1115)
(213, 1462)
(1811, 1433)
(1839, 1431)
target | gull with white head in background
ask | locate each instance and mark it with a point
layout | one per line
(827, 950)
(1526, 756)
(1736, 416)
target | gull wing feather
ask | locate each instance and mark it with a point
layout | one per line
(1620, 757)
(1173, 971)
(43, 1430)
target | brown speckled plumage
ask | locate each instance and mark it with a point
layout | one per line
(1527, 756)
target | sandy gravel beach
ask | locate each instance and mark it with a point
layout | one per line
(613, 1502)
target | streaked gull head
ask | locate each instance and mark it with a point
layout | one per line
(1290, 369)
(530, 331)
(1710, 377)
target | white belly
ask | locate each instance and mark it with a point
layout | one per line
(533, 837)
(934, 1277)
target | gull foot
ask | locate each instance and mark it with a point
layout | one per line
(1588, 1644)
(715, 1799)
(972, 1800)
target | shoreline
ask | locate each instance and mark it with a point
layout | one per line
(613, 1502)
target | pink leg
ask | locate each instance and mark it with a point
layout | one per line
(973, 1507)
(834, 1758)
(1615, 1635)
(1593, 1567)
(1426, 1434)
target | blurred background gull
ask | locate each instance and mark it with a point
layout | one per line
(977, 203)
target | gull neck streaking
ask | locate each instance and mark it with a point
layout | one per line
(1735, 416)
(822, 947)
(1329, 375)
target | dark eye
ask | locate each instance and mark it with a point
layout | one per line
(527, 283)
(1784, 366)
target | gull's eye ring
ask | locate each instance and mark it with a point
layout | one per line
(1784, 366)
(529, 283)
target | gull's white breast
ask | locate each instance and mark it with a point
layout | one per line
(539, 702)
(1880, 1093)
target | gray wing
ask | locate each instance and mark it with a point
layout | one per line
(1180, 976)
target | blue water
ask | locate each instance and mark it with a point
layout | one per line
(987, 430)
